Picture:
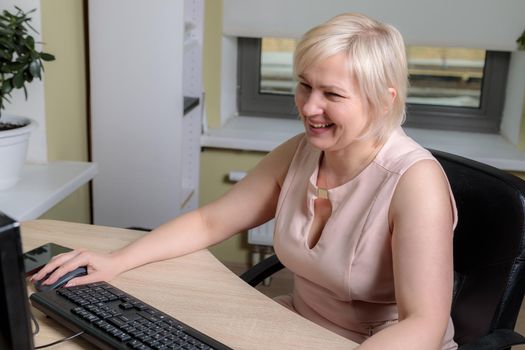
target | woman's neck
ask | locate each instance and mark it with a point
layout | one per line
(339, 167)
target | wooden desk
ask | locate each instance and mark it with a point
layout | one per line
(196, 289)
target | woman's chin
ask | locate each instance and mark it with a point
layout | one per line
(322, 143)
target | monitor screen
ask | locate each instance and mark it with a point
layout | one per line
(15, 322)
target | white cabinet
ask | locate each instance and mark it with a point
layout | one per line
(145, 56)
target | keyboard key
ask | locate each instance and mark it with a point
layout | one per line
(126, 306)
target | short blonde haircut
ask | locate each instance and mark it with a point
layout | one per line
(376, 59)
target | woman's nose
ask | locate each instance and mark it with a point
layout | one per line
(312, 105)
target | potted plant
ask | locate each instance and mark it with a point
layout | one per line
(521, 41)
(20, 63)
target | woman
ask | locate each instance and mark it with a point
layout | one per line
(364, 215)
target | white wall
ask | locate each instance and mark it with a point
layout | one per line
(34, 107)
(486, 24)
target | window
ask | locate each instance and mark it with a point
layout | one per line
(450, 88)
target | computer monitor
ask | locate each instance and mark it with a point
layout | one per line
(15, 322)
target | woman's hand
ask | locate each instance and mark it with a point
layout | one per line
(100, 267)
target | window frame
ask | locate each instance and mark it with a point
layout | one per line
(486, 118)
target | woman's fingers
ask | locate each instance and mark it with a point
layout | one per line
(51, 265)
(59, 265)
(100, 267)
(70, 265)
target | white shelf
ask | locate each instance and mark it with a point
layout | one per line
(42, 186)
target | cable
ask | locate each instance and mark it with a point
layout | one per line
(60, 341)
(37, 329)
(35, 322)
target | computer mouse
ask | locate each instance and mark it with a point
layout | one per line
(79, 271)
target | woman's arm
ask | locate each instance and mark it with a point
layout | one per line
(421, 218)
(249, 203)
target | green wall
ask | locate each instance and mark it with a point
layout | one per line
(65, 97)
(211, 62)
(215, 166)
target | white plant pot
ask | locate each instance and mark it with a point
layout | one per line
(13, 149)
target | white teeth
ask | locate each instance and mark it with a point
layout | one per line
(319, 126)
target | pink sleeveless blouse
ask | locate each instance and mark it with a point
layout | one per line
(345, 282)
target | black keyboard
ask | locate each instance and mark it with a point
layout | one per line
(113, 319)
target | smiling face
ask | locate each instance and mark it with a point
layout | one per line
(330, 105)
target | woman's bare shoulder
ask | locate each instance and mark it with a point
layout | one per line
(280, 158)
(422, 191)
(289, 146)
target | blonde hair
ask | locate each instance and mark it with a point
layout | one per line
(376, 59)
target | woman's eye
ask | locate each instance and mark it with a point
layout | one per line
(305, 86)
(333, 95)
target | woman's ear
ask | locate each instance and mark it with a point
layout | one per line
(393, 94)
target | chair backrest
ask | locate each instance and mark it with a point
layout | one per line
(489, 247)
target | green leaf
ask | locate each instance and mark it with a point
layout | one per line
(34, 69)
(18, 79)
(7, 44)
(20, 62)
(30, 42)
(6, 87)
(46, 56)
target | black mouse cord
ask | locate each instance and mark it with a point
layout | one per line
(37, 329)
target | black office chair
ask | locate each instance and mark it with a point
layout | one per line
(489, 254)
